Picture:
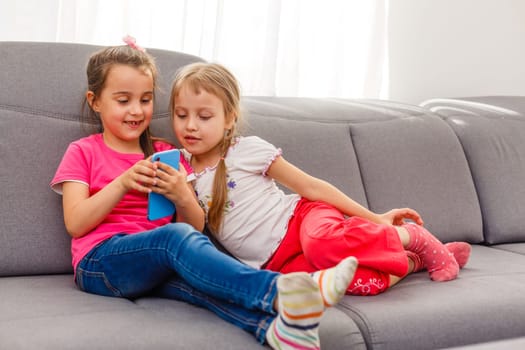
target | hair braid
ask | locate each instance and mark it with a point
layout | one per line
(220, 187)
(217, 80)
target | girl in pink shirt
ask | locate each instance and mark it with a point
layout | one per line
(105, 178)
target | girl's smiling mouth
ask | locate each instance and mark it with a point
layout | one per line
(134, 124)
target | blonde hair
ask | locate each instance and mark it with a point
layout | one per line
(98, 68)
(215, 79)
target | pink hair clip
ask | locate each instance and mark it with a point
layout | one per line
(131, 42)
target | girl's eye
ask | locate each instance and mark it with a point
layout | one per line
(146, 100)
(180, 116)
(205, 117)
(122, 101)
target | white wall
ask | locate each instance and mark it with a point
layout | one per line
(28, 20)
(454, 48)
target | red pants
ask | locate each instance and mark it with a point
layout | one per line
(319, 236)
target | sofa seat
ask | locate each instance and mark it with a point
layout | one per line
(50, 312)
(480, 306)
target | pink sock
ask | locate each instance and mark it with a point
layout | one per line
(418, 263)
(461, 252)
(439, 262)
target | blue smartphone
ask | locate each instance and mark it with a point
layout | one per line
(158, 205)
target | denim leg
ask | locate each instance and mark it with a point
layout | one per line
(133, 265)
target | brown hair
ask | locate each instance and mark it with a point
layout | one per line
(219, 81)
(99, 65)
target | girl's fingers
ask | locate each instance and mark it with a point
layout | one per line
(143, 179)
(414, 215)
(170, 174)
(140, 187)
(165, 167)
(398, 216)
(143, 189)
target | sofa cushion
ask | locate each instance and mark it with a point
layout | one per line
(83, 321)
(414, 160)
(319, 144)
(507, 344)
(79, 320)
(518, 248)
(492, 136)
(32, 235)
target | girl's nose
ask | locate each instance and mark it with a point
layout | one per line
(135, 109)
(191, 124)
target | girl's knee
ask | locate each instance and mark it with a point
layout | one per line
(184, 233)
(180, 228)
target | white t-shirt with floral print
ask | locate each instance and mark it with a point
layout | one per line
(257, 211)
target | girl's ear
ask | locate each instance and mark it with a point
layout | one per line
(90, 97)
(231, 120)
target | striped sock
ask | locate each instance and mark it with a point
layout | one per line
(300, 311)
(334, 282)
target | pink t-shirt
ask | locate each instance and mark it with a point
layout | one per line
(91, 162)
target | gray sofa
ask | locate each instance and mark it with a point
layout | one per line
(460, 163)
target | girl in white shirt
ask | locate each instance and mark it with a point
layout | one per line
(265, 228)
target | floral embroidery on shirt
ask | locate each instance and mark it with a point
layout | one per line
(230, 185)
(205, 202)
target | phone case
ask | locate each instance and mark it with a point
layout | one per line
(158, 205)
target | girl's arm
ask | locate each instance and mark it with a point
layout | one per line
(315, 189)
(173, 184)
(82, 212)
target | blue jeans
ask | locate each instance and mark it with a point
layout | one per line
(175, 261)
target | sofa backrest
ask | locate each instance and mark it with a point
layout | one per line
(491, 130)
(41, 90)
(383, 154)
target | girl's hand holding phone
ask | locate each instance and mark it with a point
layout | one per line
(140, 177)
(164, 193)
